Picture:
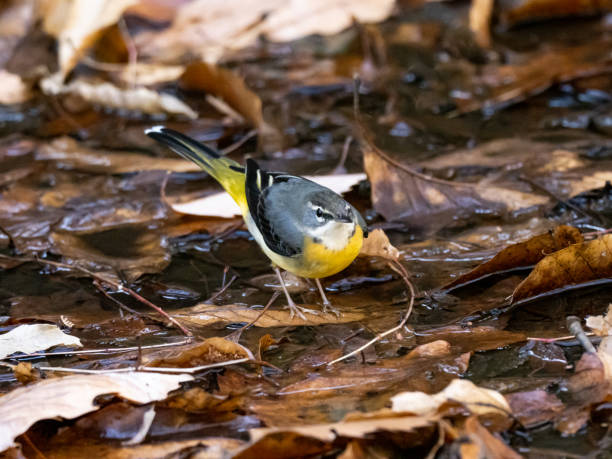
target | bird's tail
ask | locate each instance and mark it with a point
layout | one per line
(227, 172)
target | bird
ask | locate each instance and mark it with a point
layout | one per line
(302, 227)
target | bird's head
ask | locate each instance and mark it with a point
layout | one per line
(330, 220)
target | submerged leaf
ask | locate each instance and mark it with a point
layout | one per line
(574, 265)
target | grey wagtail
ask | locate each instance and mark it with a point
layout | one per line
(303, 227)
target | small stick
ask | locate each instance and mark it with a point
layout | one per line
(223, 289)
(398, 268)
(120, 287)
(235, 335)
(573, 325)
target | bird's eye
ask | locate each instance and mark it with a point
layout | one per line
(319, 212)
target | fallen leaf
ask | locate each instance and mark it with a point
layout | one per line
(206, 314)
(477, 399)
(574, 265)
(486, 444)
(25, 374)
(211, 350)
(264, 344)
(222, 204)
(517, 12)
(534, 407)
(69, 153)
(77, 24)
(212, 29)
(73, 396)
(147, 74)
(34, 337)
(349, 429)
(108, 95)
(377, 244)
(230, 88)
(14, 89)
(522, 254)
(402, 193)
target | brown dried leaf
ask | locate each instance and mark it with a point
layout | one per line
(211, 350)
(401, 193)
(25, 374)
(377, 245)
(534, 407)
(206, 314)
(73, 396)
(574, 265)
(516, 12)
(13, 90)
(523, 253)
(483, 443)
(264, 344)
(480, 21)
(601, 325)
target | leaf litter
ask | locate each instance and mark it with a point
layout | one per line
(93, 231)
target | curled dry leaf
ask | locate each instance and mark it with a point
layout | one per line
(206, 314)
(523, 253)
(211, 350)
(480, 21)
(34, 337)
(477, 399)
(108, 95)
(222, 204)
(77, 24)
(377, 244)
(74, 396)
(574, 265)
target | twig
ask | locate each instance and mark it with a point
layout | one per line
(398, 268)
(33, 446)
(118, 286)
(130, 46)
(227, 150)
(222, 290)
(573, 325)
(189, 370)
(554, 340)
(340, 169)
(108, 350)
(235, 335)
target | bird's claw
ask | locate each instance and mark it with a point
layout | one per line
(294, 310)
(328, 308)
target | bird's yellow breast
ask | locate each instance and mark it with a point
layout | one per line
(319, 261)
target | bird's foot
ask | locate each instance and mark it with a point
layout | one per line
(328, 308)
(294, 310)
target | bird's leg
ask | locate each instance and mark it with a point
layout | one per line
(327, 306)
(294, 308)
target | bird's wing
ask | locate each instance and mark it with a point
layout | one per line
(273, 218)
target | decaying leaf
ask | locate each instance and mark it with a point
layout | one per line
(212, 29)
(477, 399)
(535, 407)
(108, 95)
(574, 265)
(516, 12)
(222, 204)
(73, 396)
(206, 314)
(480, 21)
(377, 244)
(77, 24)
(523, 253)
(34, 337)
(601, 325)
(211, 350)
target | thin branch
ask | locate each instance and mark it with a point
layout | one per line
(573, 325)
(235, 335)
(118, 286)
(398, 268)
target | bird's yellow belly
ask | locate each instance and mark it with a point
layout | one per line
(317, 261)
